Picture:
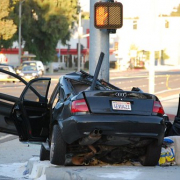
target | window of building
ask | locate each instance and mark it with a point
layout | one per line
(166, 24)
(135, 24)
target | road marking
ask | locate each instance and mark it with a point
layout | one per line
(124, 77)
(167, 80)
(167, 90)
(4, 137)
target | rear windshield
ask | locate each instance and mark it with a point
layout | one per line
(85, 84)
(29, 63)
(29, 68)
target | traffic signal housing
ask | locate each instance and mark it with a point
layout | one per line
(108, 15)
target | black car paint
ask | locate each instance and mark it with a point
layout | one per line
(76, 127)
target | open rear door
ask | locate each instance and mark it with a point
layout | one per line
(24, 107)
(32, 113)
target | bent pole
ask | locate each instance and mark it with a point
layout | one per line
(101, 57)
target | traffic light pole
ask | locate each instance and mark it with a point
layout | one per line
(99, 42)
(153, 25)
(79, 41)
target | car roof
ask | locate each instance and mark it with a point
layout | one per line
(86, 78)
(31, 61)
(3, 65)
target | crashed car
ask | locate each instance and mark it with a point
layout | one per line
(86, 118)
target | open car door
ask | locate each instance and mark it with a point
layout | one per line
(26, 114)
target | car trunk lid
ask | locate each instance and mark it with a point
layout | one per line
(119, 102)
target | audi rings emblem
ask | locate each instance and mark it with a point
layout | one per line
(121, 94)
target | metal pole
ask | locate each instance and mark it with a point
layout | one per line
(59, 45)
(20, 13)
(152, 57)
(151, 72)
(20, 8)
(98, 67)
(99, 42)
(160, 34)
(79, 40)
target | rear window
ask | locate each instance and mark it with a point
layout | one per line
(30, 64)
(41, 87)
(29, 68)
(85, 84)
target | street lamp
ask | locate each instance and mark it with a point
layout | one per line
(20, 9)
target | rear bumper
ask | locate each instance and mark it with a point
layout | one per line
(76, 127)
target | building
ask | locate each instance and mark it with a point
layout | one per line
(139, 35)
(67, 56)
(137, 32)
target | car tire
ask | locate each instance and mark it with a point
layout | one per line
(58, 147)
(152, 155)
(44, 153)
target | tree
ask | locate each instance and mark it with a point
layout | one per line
(8, 28)
(44, 23)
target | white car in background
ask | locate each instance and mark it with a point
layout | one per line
(6, 77)
(39, 65)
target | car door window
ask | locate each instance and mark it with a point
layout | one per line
(34, 108)
(10, 85)
(39, 86)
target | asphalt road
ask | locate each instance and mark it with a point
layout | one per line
(166, 83)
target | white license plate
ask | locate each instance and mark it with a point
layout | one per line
(119, 105)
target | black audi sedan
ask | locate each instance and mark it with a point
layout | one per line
(85, 119)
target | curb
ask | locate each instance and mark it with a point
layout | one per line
(36, 168)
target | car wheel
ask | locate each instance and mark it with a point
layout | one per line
(152, 155)
(58, 147)
(44, 153)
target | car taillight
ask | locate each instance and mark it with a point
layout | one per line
(157, 108)
(79, 106)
